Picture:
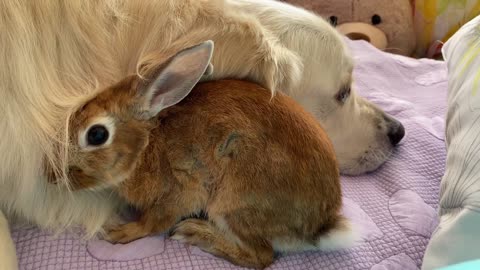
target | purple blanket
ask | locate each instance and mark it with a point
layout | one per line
(395, 207)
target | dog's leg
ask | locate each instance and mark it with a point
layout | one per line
(223, 243)
(244, 49)
(8, 257)
(244, 46)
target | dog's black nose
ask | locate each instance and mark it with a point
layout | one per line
(396, 133)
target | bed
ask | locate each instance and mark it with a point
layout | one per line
(395, 207)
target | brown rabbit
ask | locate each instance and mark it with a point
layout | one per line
(262, 168)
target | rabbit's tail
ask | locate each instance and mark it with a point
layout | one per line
(342, 236)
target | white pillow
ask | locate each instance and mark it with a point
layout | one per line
(457, 237)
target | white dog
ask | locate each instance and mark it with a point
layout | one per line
(55, 53)
(362, 134)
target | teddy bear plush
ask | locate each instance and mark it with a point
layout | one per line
(388, 25)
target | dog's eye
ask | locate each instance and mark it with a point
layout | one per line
(97, 135)
(343, 94)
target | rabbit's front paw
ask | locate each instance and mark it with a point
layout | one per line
(126, 233)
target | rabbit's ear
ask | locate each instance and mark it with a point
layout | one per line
(209, 70)
(174, 81)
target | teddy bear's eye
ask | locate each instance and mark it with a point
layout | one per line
(376, 19)
(333, 20)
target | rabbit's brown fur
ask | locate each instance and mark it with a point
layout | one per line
(262, 168)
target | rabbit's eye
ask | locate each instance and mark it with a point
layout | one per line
(97, 135)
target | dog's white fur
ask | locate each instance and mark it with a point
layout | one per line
(7, 249)
(56, 53)
(358, 129)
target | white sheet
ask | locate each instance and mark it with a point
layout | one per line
(457, 237)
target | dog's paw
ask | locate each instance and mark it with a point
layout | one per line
(281, 70)
(290, 68)
(125, 233)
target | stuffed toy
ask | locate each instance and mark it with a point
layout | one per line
(437, 20)
(388, 25)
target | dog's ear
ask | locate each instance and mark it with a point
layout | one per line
(172, 82)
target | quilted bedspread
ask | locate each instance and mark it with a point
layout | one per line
(395, 207)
